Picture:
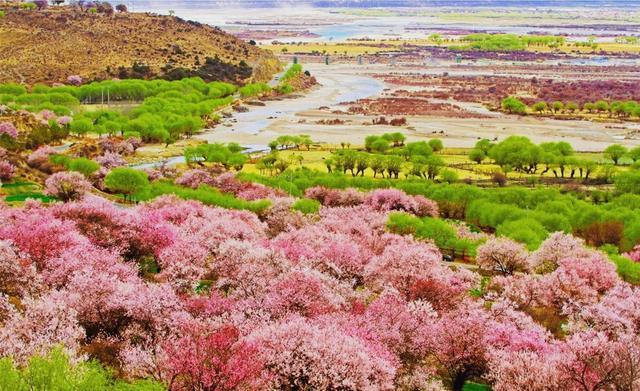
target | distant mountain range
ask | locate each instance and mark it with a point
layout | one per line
(195, 4)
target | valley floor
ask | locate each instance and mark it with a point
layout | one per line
(341, 83)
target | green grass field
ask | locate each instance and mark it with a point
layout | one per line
(18, 192)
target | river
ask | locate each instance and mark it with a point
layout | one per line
(336, 85)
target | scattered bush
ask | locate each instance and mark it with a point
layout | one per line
(306, 206)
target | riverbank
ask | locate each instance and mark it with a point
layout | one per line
(340, 83)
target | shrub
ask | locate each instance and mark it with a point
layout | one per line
(603, 232)
(499, 179)
(56, 371)
(205, 194)
(514, 105)
(526, 230)
(477, 155)
(627, 182)
(436, 145)
(126, 181)
(254, 89)
(627, 269)
(84, 166)
(81, 126)
(28, 6)
(449, 176)
(306, 206)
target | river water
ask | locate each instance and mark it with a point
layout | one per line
(334, 87)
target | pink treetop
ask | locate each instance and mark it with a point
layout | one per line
(67, 186)
(457, 344)
(524, 290)
(579, 281)
(111, 160)
(510, 329)
(64, 120)
(228, 183)
(299, 353)
(393, 322)
(47, 115)
(305, 292)
(215, 361)
(45, 323)
(524, 370)
(618, 312)
(425, 207)
(335, 197)
(6, 170)
(402, 264)
(75, 80)
(592, 361)
(393, 199)
(337, 254)
(9, 129)
(40, 157)
(281, 218)
(194, 178)
(556, 247)
(130, 233)
(27, 228)
(199, 238)
(502, 255)
(17, 275)
(247, 269)
(389, 199)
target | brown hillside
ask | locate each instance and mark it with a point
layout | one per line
(48, 46)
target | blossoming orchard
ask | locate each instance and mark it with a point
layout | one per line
(198, 297)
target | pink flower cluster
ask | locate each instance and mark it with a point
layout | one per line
(75, 80)
(250, 191)
(40, 158)
(67, 186)
(64, 120)
(47, 115)
(381, 199)
(634, 254)
(119, 146)
(393, 199)
(206, 298)
(335, 197)
(9, 129)
(111, 160)
(6, 170)
(195, 178)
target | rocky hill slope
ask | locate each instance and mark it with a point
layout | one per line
(50, 45)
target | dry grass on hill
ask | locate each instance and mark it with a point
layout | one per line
(48, 46)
